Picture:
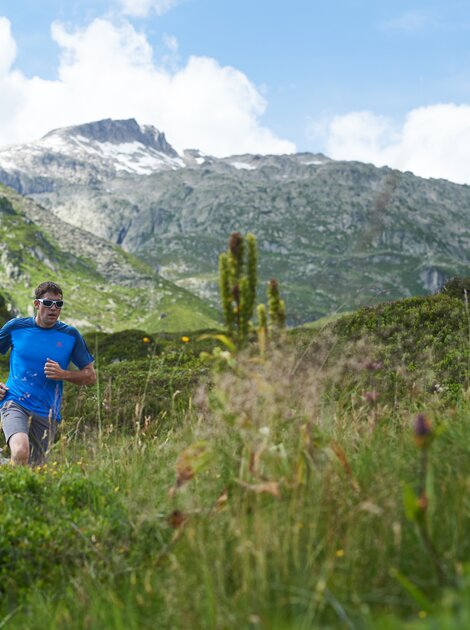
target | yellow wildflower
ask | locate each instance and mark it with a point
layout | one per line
(185, 339)
(146, 340)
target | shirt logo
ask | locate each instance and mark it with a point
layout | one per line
(59, 344)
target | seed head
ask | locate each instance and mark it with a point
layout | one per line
(235, 243)
(422, 503)
(373, 366)
(371, 397)
(274, 287)
(423, 432)
(176, 519)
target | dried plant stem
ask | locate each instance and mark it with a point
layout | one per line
(423, 526)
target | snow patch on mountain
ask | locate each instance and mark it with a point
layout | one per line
(106, 146)
(314, 162)
(243, 165)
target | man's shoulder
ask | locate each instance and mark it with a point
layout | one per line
(19, 322)
(67, 329)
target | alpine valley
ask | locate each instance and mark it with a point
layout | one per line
(105, 287)
(113, 205)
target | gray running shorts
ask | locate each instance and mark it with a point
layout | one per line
(41, 431)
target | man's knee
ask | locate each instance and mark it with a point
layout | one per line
(19, 448)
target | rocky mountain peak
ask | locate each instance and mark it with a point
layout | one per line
(87, 153)
(117, 132)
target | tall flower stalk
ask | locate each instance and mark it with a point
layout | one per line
(423, 437)
(238, 281)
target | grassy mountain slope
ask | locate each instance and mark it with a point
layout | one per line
(105, 288)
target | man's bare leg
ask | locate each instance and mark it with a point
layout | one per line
(19, 448)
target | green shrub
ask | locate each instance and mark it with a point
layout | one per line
(54, 520)
(457, 287)
(140, 378)
(5, 312)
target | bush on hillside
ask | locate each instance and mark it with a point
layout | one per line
(457, 287)
(394, 352)
(140, 377)
(134, 344)
(6, 312)
(420, 343)
(6, 206)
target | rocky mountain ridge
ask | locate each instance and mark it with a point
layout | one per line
(94, 153)
(335, 234)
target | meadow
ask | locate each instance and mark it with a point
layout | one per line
(321, 483)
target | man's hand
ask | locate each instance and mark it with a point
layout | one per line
(3, 391)
(85, 376)
(53, 370)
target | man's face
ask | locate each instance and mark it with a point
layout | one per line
(47, 317)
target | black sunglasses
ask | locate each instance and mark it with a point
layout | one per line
(49, 303)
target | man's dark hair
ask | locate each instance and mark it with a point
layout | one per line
(44, 287)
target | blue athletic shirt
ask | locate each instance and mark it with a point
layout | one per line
(31, 346)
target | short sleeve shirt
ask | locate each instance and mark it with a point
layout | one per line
(31, 346)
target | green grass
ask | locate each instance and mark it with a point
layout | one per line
(322, 322)
(91, 301)
(271, 495)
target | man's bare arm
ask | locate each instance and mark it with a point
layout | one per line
(3, 390)
(85, 376)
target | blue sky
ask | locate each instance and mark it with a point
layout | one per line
(387, 83)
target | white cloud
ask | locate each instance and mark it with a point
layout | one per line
(409, 22)
(171, 43)
(7, 47)
(170, 59)
(433, 141)
(364, 134)
(108, 71)
(141, 8)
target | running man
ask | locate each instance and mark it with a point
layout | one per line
(42, 348)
